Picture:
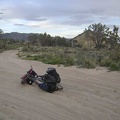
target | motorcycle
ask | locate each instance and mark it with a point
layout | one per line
(31, 76)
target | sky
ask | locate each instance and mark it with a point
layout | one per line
(65, 18)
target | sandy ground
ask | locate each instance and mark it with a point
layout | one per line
(87, 94)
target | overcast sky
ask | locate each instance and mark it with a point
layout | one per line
(66, 18)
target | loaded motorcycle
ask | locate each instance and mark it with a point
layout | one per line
(31, 76)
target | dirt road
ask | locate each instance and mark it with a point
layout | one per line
(87, 94)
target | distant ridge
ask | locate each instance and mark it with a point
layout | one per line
(16, 36)
(19, 36)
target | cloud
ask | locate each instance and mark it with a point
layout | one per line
(36, 19)
(48, 14)
(19, 24)
(36, 8)
(33, 9)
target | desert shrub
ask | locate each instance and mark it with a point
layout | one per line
(1, 50)
(115, 54)
(25, 49)
(29, 57)
(51, 56)
(53, 60)
(19, 55)
(113, 61)
(57, 59)
(114, 66)
(110, 64)
(36, 57)
(106, 62)
(86, 63)
(30, 49)
(89, 64)
(68, 61)
(85, 58)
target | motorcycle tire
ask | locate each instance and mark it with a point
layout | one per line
(22, 82)
(30, 82)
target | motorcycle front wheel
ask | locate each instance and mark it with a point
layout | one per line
(30, 81)
(23, 82)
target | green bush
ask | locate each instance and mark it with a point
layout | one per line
(68, 61)
(36, 57)
(57, 59)
(50, 59)
(106, 62)
(114, 66)
(84, 58)
(25, 49)
(115, 55)
(89, 64)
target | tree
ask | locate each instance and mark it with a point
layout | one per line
(113, 37)
(61, 41)
(45, 39)
(33, 38)
(1, 32)
(98, 33)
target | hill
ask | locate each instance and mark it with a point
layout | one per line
(16, 36)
